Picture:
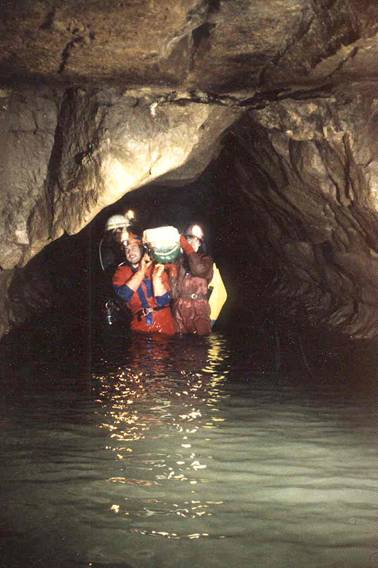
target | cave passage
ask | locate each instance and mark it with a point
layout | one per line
(255, 446)
(287, 193)
(271, 106)
(67, 290)
(286, 215)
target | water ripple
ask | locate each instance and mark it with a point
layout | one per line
(179, 444)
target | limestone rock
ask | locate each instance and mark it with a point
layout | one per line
(306, 182)
(218, 46)
(27, 128)
(110, 148)
(65, 157)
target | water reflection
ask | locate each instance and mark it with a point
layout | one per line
(178, 453)
(168, 393)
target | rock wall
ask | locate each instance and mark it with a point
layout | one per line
(304, 178)
(98, 100)
(28, 121)
(68, 154)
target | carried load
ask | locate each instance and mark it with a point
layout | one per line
(163, 244)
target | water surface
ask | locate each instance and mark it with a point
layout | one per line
(184, 452)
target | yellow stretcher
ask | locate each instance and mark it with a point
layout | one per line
(218, 294)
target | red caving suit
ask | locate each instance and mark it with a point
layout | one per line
(150, 314)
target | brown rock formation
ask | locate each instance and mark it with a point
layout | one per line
(305, 184)
(219, 46)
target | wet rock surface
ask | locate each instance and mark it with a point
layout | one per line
(28, 122)
(220, 46)
(66, 156)
(304, 185)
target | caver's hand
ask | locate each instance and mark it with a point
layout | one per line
(172, 270)
(160, 283)
(145, 263)
(158, 270)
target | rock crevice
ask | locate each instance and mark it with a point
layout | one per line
(311, 212)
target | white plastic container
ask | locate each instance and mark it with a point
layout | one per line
(164, 243)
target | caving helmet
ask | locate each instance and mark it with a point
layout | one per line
(121, 227)
(116, 222)
(195, 231)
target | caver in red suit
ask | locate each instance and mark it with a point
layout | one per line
(191, 308)
(151, 312)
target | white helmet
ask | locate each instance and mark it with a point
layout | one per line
(116, 222)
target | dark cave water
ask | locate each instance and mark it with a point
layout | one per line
(184, 452)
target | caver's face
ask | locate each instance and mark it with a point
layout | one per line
(194, 241)
(133, 253)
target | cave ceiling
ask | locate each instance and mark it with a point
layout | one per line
(239, 48)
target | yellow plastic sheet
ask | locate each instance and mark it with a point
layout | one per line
(218, 295)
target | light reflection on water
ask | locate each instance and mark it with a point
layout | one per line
(141, 406)
(178, 442)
